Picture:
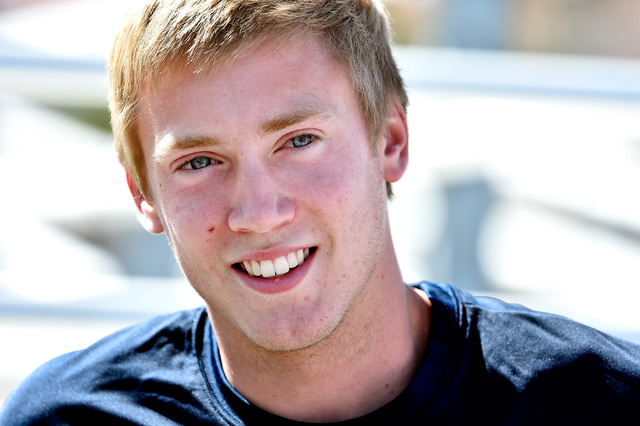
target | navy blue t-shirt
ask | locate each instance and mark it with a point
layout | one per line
(487, 362)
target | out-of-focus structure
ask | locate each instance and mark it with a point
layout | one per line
(525, 156)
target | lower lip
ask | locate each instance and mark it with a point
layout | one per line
(279, 283)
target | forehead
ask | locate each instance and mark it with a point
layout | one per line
(270, 75)
(304, 51)
(270, 87)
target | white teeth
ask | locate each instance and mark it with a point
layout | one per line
(255, 266)
(267, 268)
(247, 267)
(279, 266)
(292, 261)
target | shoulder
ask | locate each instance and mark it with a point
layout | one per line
(536, 359)
(126, 359)
(514, 334)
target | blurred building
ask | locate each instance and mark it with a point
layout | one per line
(584, 27)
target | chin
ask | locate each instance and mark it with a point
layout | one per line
(294, 339)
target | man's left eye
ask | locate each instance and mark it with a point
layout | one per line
(197, 163)
(301, 140)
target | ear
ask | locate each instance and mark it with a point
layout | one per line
(147, 213)
(394, 144)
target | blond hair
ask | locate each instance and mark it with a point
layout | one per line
(206, 33)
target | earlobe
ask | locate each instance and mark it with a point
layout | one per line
(394, 146)
(147, 213)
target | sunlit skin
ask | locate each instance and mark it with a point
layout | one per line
(259, 159)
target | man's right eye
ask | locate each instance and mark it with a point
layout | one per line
(197, 163)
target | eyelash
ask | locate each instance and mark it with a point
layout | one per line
(189, 163)
(289, 142)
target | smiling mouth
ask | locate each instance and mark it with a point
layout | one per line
(275, 267)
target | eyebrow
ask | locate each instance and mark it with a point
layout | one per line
(291, 118)
(171, 143)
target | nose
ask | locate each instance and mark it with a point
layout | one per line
(258, 202)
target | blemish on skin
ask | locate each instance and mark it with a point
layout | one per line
(387, 385)
(211, 229)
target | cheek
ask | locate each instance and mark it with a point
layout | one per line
(337, 177)
(343, 197)
(194, 215)
(324, 188)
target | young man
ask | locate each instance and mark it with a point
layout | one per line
(261, 136)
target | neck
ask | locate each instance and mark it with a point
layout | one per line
(366, 362)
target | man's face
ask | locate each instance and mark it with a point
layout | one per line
(266, 186)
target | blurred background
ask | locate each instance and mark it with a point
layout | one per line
(525, 162)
